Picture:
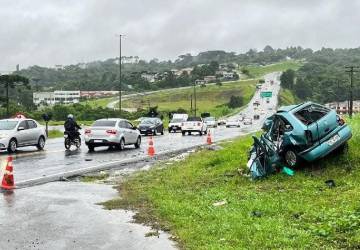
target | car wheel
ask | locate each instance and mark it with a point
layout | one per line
(122, 144)
(291, 158)
(205, 132)
(189, 133)
(183, 132)
(138, 142)
(41, 143)
(169, 131)
(162, 132)
(200, 133)
(91, 148)
(12, 146)
(154, 132)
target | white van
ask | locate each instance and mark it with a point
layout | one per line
(176, 121)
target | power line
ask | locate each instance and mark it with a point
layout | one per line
(351, 70)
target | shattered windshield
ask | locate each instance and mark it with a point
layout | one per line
(311, 114)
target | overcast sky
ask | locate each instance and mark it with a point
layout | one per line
(67, 32)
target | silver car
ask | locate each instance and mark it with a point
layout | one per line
(112, 132)
(15, 133)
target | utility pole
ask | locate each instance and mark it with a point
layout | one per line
(120, 76)
(191, 104)
(195, 98)
(351, 70)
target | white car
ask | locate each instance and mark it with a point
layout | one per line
(234, 122)
(21, 132)
(247, 121)
(211, 122)
(112, 132)
(194, 124)
(175, 124)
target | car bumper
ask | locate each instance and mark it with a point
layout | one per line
(145, 131)
(325, 147)
(174, 127)
(102, 141)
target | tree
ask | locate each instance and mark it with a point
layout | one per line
(236, 101)
(11, 81)
(287, 79)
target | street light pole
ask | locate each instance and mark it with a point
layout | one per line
(120, 76)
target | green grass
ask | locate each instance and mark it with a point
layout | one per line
(211, 98)
(55, 134)
(279, 212)
(286, 97)
(99, 102)
(258, 71)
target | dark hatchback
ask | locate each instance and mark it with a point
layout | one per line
(151, 125)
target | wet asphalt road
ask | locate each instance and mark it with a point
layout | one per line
(30, 164)
(65, 216)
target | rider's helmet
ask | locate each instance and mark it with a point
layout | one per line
(70, 116)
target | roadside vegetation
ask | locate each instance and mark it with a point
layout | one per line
(55, 134)
(207, 203)
(258, 71)
(211, 98)
(287, 97)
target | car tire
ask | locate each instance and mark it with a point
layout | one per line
(41, 143)
(291, 158)
(205, 132)
(122, 144)
(154, 132)
(183, 133)
(169, 131)
(138, 142)
(91, 148)
(12, 146)
(189, 133)
(200, 133)
(162, 132)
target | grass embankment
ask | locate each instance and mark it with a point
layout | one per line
(279, 212)
(100, 102)
(286, 97)
(258, 71)
(55, 134)
(211, 98)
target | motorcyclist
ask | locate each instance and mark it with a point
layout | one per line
(71, 126)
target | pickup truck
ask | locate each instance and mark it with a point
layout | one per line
(194, 124)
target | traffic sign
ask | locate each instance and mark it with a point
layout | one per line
(266, 94)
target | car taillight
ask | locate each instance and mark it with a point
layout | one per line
(199, 124)
(87, 131)
(340, 120)
(111, 131)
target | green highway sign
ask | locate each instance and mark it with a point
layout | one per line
(266, 94)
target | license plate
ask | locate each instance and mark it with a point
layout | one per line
(98, 141)
(333, 140)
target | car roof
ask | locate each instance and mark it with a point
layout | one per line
(16, 119)
(112, 119)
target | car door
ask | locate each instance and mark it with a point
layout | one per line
(132, 132)
(125, 130)
(33, 132)
(22, 135)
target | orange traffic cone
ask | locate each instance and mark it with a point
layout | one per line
(151, 149)
(208, 139)
(8, 179)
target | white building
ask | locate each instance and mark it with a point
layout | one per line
(150, 77)
(43, 98)
(56, 97)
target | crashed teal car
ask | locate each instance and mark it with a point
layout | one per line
(307, 131)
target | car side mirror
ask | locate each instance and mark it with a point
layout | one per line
(21, 128)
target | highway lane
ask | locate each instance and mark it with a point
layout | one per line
(32, 164)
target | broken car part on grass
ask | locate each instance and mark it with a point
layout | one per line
(304, 132)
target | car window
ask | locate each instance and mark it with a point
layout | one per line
(122, 124)
(23, 124)
(104, 123)
(129, 125)
(311, 114)
(194, 119)
(31, 124)
(7, 125)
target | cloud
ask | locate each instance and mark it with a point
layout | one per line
(46, 33)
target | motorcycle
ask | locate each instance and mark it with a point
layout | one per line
(72, 139)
